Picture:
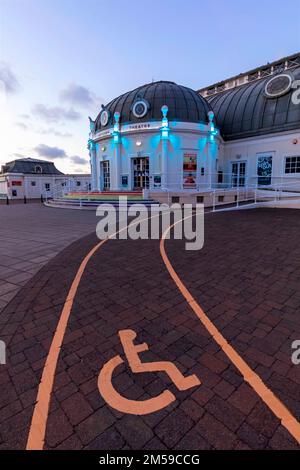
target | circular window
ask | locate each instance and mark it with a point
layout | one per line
(104, 117)
(278, 85)
(140, 108)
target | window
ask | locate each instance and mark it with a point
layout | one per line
(202, 171)
(221, 198)
(33, 183)
(292, 165)
(200, 199)
(47, 186)
(78, 183)
(38, 169)
(14, 193)
(175, 199)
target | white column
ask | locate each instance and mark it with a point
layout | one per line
(93, 162)
(164, 146)
(117, 163)
(164, 163)
(117, 152)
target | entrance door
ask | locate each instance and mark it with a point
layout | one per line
(238, 174)
(140, 173)
(264, 170)
(105, 173)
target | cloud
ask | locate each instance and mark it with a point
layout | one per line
(19, 155)
(55, 114)
(52, 130)
(22, 126)
(44, 150)
(9, 79)
(78, 95)
(78, 160)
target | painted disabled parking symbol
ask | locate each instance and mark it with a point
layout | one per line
(120, 403)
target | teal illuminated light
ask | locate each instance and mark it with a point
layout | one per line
(165, 133)
(164, 123)
(116, 132)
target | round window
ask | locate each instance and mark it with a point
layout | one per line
(278, 85)
(140, 108)
(104, 117)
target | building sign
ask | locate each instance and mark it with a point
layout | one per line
(264, 170)
(189, 170)
(124, 181)
(143, 126)
(106, 133)
(140, 126)
(157, 181)
(16, 183)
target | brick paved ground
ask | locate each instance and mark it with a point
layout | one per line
(247, 279)
(30, 235)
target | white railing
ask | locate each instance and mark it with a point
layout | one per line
(216, 194)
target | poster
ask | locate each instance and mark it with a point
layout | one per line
(189, 170)
(264, 170)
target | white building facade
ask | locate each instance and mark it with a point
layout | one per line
(161, 136)
(33, 178)
(244, 131)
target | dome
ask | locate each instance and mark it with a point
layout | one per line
(261, 107)
(144, 104)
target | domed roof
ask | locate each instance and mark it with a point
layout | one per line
(247, 110)
(184, 105)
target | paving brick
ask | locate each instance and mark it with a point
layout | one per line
(192, 441)
(94, 425)
(134, 431)
(263, 420)
(215, 433)
(110, 439)
(58, 428)
(249, 436)
(192, 409)
(224, 389)
(244, 398)
(171, 429)
(220, 408)
(76, 408)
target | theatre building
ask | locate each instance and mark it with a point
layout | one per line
(243, 131)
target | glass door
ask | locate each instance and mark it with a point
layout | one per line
(238, 174)
(105, 173)
(140, 173)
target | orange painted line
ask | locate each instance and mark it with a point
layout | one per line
(269, 398)
(38, 425)
(37, 431)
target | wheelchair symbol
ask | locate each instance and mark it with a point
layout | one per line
(120, 403)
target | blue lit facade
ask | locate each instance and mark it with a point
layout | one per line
(161, 136)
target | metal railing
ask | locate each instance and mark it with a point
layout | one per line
(233, 190)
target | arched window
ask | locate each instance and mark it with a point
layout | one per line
(38, 169)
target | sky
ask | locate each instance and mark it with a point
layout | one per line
(61, 59)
